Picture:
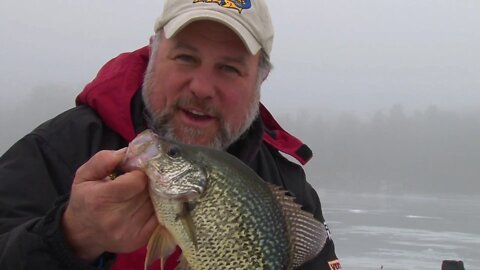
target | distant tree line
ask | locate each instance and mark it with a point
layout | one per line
(433, 150)
(428, 151)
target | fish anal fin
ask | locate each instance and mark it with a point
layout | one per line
(182, 264)
(160, 245)
(307, 234)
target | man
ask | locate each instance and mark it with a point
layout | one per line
(58, 207)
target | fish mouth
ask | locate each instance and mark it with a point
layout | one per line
(139, 151)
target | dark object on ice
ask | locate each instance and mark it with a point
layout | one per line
(452, 265)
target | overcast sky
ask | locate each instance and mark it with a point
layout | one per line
(330, 56)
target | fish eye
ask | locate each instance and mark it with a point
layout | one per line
(173, 152)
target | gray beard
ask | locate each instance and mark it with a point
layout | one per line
(160, 123)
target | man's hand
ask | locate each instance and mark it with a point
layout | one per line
(105, 215)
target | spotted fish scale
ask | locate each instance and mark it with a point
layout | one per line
(219, 211)
(236, 223)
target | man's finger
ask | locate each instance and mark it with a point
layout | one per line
(101, 165)
(126, 186)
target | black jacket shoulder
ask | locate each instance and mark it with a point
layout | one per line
(36, 174)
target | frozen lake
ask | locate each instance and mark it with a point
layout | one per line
(403, 232)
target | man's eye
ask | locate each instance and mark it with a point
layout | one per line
(185, 58)
(230, 69)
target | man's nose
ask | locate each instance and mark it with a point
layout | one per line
(202, 84)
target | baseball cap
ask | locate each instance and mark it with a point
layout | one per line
(249, 19)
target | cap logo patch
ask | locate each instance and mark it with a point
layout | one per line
(239, 5)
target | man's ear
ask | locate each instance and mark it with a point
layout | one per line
(150, 42)
(266, 76)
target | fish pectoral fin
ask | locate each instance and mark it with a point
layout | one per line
(184, 215)
(160, 246)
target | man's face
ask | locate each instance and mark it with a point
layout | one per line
(201, 87)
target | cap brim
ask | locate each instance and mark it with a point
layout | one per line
(179, 22)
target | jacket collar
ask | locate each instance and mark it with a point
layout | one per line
(123, 76)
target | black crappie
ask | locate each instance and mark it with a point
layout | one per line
(219, 211)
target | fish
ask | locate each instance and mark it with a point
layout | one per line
(219, 211)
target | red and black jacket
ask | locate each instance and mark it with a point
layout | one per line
(37, 172)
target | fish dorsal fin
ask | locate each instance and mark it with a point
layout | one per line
(307, 235)
(160, 245)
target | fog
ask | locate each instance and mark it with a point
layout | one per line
(386, 93)
(381, 90)
(428, 151)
